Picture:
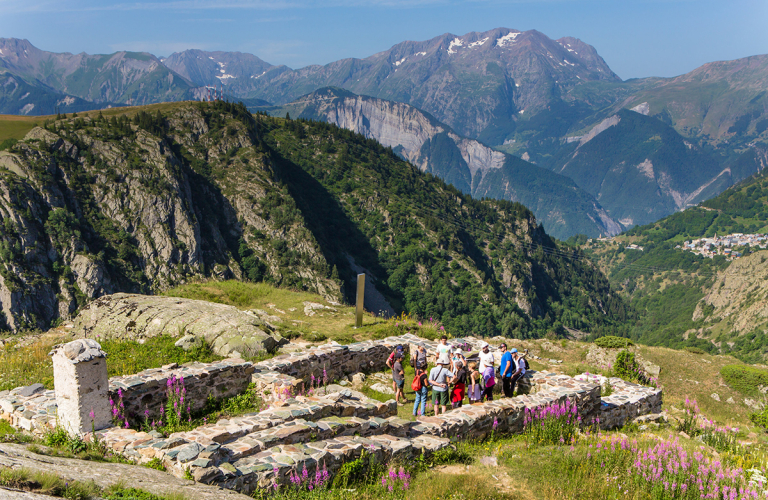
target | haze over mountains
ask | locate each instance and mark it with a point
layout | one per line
(552, 102)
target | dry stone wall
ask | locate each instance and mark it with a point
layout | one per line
(327, 428)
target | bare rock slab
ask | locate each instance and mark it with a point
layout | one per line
(227, 329)
(106, 474)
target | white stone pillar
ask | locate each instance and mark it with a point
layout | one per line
(81, 385)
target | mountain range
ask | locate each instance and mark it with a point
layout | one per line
(555, 103)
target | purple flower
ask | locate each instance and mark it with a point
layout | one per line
(92, 414)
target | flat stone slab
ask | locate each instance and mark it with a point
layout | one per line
(106, 474)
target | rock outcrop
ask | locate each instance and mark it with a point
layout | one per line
(467, 164)
(739, 295)
(130, 316)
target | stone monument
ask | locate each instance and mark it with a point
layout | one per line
(81, 386)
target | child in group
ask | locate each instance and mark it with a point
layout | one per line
(475, 391)
(489, 380)
(459, 385)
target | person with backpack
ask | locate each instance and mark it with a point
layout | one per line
(475, 390)
(521, 365)
(420, 386)
(440, 378)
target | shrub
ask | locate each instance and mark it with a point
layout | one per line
(363, 470)
(626, 366)
(760, 418)
(695, 350)
(613, 342)
(314, 337)
(744, 379)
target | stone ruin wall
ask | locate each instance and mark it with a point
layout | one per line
(330, 428)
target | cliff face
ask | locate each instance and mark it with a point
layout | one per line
(739, 296)
(467, 164)
(86, 213)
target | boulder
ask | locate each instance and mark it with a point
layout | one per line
(131, 316)
(357, 378)
(383, 388)
(188, 342)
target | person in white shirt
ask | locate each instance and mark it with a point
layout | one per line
(486, 357)
(442, 347)
(520, 362)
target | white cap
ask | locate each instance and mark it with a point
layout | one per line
(483, 345)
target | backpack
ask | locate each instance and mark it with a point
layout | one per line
(527, 366)
(416, 384)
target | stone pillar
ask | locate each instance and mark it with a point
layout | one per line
(81, 385)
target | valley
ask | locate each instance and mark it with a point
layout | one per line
(631, 151)
(183, 237)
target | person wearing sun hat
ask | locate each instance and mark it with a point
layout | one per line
(440, 378)
(486, 357)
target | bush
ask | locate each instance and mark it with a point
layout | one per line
(613, 342)
(695, 350)
(744, 379)
(363, 470)
(626, 366)
(314, 337)
(760, 418)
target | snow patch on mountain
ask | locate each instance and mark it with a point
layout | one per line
(507, 39)
(27, 108)
(456, 42)
(420, 54)
(478, 43)
(401, 61)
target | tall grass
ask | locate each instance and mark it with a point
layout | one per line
(31, 364)
(21, 366)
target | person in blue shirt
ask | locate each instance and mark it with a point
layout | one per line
(507, 368)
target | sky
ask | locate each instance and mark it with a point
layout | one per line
(637, 38)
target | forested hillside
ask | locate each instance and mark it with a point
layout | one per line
(142, 199)
(672, 289)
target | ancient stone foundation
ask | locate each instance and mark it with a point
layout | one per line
(329, 427)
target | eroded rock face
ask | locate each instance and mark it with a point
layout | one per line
(739, 294)
(228, 330)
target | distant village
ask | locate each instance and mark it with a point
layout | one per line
(724, 245)
(731, 246)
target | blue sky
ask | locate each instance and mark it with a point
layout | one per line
(637, 38)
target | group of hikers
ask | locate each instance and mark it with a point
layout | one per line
(452, 379)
